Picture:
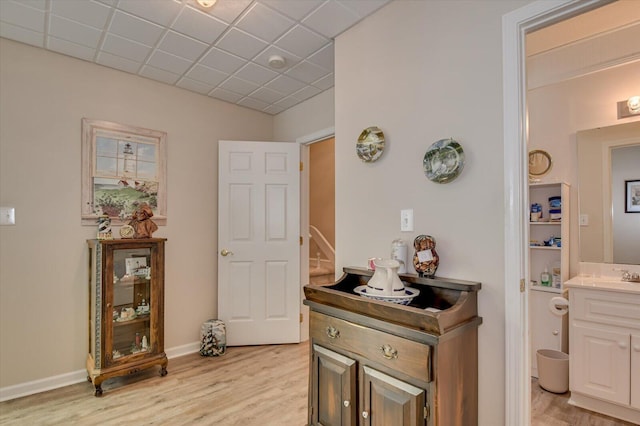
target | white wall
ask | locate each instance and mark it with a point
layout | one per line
(557, 111)
(424, 71)
(306, 118)
(43, 258)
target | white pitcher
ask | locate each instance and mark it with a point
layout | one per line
(385, 280)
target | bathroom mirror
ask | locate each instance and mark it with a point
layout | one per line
(539, 164)
(608, 156)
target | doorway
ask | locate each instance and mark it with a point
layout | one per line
(322, 211)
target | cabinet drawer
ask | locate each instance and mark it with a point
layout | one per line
(403, 355)
(605, 307)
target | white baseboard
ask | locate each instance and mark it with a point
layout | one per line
(55, 382)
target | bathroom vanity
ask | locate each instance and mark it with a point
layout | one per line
(604, 345)
(380, 363)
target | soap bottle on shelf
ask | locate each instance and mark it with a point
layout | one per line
(545, 278)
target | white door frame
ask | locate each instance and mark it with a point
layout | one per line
(515, 25)
(304, 142)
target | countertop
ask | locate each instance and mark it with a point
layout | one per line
(603, 283)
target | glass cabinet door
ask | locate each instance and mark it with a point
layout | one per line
(130, 310)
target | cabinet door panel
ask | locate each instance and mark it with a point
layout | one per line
(389, 401)
(635, 371)
(600, 363)
(334, 389)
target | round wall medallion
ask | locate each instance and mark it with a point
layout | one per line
(127, 231)
(370, 144)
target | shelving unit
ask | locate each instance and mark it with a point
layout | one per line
(548, 331)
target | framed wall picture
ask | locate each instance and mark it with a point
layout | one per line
(122, 167)
(632, 196)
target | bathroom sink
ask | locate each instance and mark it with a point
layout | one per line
(604, 283)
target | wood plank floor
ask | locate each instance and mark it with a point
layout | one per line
(253, 385)
(248, 386)
(550, 409)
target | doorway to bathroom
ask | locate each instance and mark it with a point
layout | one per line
(322, 211)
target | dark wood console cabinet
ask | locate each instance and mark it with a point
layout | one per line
(376, 363)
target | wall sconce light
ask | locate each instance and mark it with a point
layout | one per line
(206, 3)
(629, 108)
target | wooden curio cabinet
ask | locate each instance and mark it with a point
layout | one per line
(126, 311)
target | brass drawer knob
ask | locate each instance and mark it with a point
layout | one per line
(333, 332)
(389, 352)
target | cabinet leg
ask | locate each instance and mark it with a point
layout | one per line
(163, 370)
(98, 390)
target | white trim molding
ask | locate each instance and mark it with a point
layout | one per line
(515, 25)
(42, 385)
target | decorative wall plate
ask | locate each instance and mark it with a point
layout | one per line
(370, 144)
(443, 161)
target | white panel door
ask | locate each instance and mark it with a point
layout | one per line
(635, 371)
(259, 241)
(600, 363)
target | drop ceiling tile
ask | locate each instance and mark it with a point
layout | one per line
(163, 12)
(324, 83)
(307, 72)
(118, 62)
(36, 4)
(199, 25)
(225, 95)
(306, 93)
(134, 28)
(296, 9)
(241, 44)
(194, 86)
(74, 32)
(363, 7)
(256, 73)
(158, 74)
(21, 15)
(168, 62)
(227, 10)
(264, 23)
(324, 57)
(300, 41)
(238, 85)
(126, 48)
(89, 13)
(253, 103)
(181, 45)
(330, 19)
(22, 35)
(287, 102)
(71, 49)
(285, 85)
(267, 95)
(273, 109)
(207, 75)
(222, 60)
(290, 58)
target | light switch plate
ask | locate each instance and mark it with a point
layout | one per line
(406, 220)
(7, 216)
(584, 220)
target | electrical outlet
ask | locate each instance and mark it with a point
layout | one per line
(406, 220)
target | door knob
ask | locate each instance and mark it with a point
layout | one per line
(226, 252)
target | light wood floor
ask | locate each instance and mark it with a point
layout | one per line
(248, 386)
(550, 409)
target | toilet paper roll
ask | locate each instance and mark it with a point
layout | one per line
(559, 306)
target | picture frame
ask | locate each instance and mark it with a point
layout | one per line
(632, 196)
(123, 166)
